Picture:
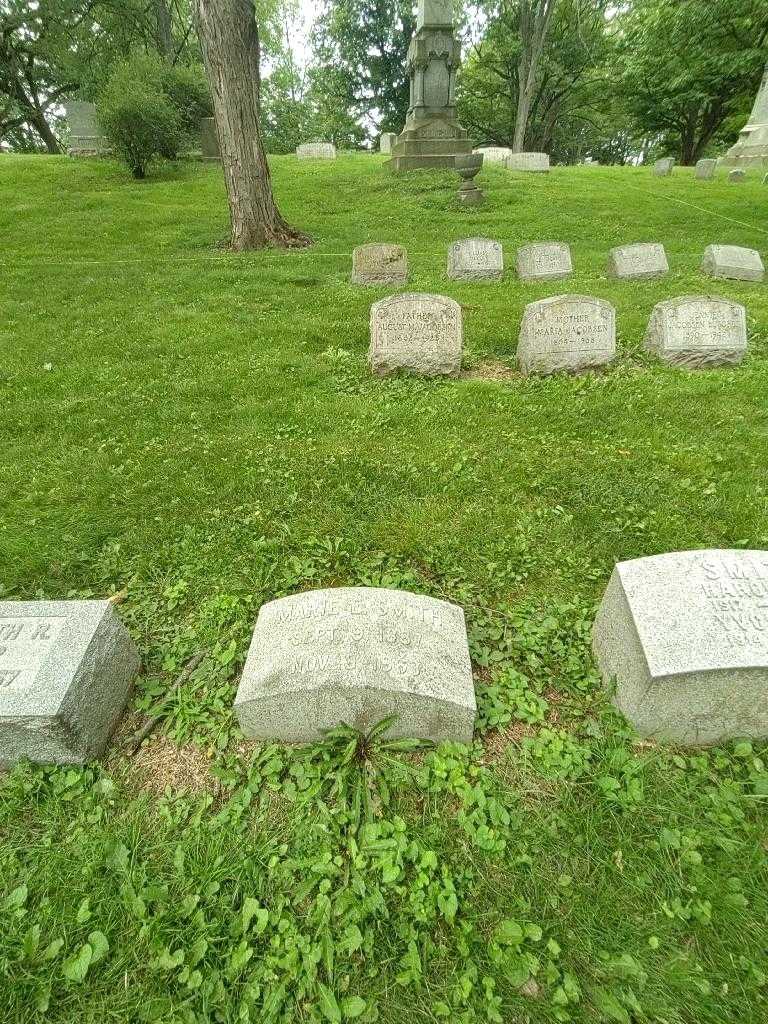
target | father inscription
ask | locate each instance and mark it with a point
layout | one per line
(684, 639)
(66, 668)
(567, 333)
(356, 656)
(476, 259)
(698, 331)
(416, 332)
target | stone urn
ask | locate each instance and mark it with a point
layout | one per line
(468, 167)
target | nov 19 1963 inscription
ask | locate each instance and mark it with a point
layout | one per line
(66, 668)
(684, 637)
(358, 655)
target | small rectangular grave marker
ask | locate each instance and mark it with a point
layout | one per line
(736, 177)
(316, 151)
(66, 668)
(494, 154)
(638, 262)
(357, 656)
(684, 639)
(386, 141)
(732, 262)
(476, 259)
(664, 167)
(705, 170)
(416, 332)
(379, 263)
(536, 163)
(695, 331)
(567, 333)
(544, 261)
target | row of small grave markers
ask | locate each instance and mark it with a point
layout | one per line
(705, 170)
(424, 334)
(482, 259)
(680, 638)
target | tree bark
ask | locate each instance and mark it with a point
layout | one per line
(163, 29)
(535, 16)
(229, 38)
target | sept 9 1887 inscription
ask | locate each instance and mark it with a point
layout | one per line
(685, 638)
(357, 655)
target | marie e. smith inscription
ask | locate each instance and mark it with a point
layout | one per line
(358, 655)
(684, 638)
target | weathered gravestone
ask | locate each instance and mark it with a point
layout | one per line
(695, 331)
(494, 154)
(732, 262)
(85, 135)
(379, 263)
(567, 333)
(66, 669)
(638, 262)
(735, 177)
(536, 163)
(316, 151)
(416, 332)
(544, 261)
(476, 259)
(705, 170)
(684, 638)
(209, 139)
(357, 656)
(386, 142)
(663, 168)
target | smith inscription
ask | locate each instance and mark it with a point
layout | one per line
(24, 645)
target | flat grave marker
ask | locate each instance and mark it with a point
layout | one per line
(356, 656)
(733, 263)
(66, 669)
(316, 151)
(684, 639)
(535, 163)
(417, 332)
(379, 263)
(698, 331)
(567, 333)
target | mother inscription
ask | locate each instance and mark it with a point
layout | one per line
(358, 655)
(416, 332)
(566, 333)
(66, 668)
(684, 638)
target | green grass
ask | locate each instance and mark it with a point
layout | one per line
(200, 429)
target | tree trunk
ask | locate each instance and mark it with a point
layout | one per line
(163, 29)
(535, 16)
(229, 38)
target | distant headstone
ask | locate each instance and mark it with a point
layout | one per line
(209, 140)
(638, 262)
(387, 141)
(663, 168)
(705, 170)
(416, 332)
(695, 331)
(683, 637)
(316, 151)
(737, 176)
(494, 154)
(476, 259)
(66, 669)
(544, 261)
(765, 180)
(379, 263)
(537, 163)
(732, 262)
(567, 333)
(85, 135)
(357, 656)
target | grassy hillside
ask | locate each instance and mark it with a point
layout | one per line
(200, 430)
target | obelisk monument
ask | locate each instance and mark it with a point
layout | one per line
(752, 147)
(432, 136)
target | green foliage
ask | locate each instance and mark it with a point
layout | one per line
(188, 92)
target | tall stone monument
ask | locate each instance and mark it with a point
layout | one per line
(752, 148)
(432, 136)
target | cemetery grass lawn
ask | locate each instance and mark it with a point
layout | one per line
(199, 431)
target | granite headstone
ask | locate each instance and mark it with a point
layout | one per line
(379, 263)
(316, 151)
(664, 167)
(544, 261)
(638, 262)
(698, 331)
(536, 163)
(734, 263)
(416, 332)
(357, 656)
(705, 170)
(683, 637)
(567, 333)
(476, 259)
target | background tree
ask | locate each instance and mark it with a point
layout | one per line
(229, 36)
(688, 67)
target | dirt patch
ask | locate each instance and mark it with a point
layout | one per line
(161, 764)
(490, 369)
(495, 743)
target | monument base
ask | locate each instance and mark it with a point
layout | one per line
(433, 143)
(751, 150)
